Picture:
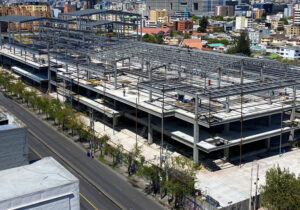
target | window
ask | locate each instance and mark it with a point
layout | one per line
(196, 7)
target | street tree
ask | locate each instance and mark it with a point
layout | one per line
(281, 191)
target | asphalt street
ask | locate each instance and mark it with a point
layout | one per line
(90, 198)
(103, 176)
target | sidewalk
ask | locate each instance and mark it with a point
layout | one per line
(126, 138)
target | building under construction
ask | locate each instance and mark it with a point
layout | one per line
(216, 105)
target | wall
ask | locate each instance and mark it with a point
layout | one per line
(13, 148)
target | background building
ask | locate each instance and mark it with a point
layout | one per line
(292, 30)
(203, 7)
(241, 22)
(13, 141)
(296, 14)
(159, 15)
(289, 52)
(224, 11)
(44, 184)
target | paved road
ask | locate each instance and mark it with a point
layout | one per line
(90, 198)
(111, 182)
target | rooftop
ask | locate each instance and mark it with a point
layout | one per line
(44, 174)
(13, 122)
(235, 190)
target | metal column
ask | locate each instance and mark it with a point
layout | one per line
(292, 118)
(219, 77)
(115, 76)
(49, 72)
(150, 131)
(242, 74)
(149, 69)
(196, 132)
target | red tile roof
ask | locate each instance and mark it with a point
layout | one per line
(196, 44)
(155, 30)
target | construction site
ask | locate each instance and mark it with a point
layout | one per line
(204, 104)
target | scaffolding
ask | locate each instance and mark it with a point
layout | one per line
(205, 89)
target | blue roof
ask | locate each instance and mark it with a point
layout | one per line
(216, 45)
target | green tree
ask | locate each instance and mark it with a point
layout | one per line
(284, 20)
(187, 36)
(159, 39)
(280, 28)
(149, 38)
(194, 18)
(203, 22)
(171, 33)
(201, 30)
(281, 191)
(241, 45)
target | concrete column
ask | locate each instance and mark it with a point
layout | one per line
(115, 122)
(142, 65)
(227, 128)
(49, 72)
(292, 135)
(115, 76)
(196, 132)
(179, 75)
(219, 77)
(226, 154)
(262, 74)
(166, 71)
(88, 74)
(150, 79)
(40, 30)
(270, 97)
(141, 29)
(292, 118)
(242, 75)
(9, 38)
(268, 144)
(227, 104)
(20, 38)
(269, 120)
(150, 130)
(129, 63)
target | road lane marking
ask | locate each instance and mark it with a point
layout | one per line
(87, 200)
(77, 170)
(35, 152)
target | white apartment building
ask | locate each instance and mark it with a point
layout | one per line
(241, 22)
(289, 52)
(254, 36)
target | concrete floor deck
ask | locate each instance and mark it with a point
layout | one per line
(232, 185)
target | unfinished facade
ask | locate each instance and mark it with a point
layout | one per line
(217, 104)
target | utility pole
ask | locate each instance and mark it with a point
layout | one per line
(136, 123)
(256, 186)
(241, 121)
(92, 126)
(250, 199)
(104, 104)
(162, 125)
(280, 138)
